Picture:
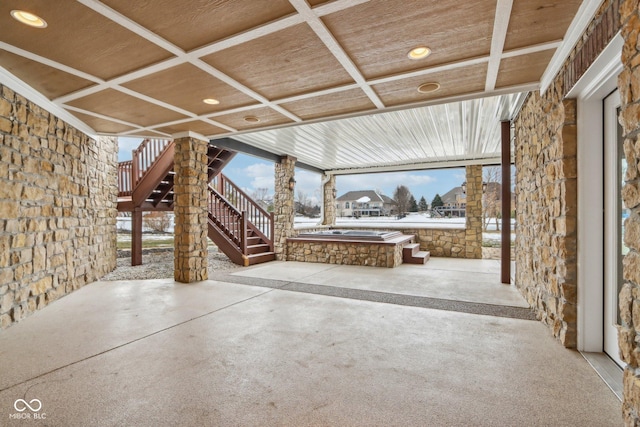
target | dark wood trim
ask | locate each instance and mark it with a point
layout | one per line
(505, 269)
(136, 237)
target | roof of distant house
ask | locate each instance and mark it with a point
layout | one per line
(353, 196)
(450, 196)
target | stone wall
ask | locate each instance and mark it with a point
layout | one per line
(329, 200)
(382, 254)
(57, 207)
(284, 208)
(629, 331)
(191, 208)
(546, 184)
(473, 212)
(440, 242)
(546, 200)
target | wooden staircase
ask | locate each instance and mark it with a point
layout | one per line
(237, 225)
(411, 254)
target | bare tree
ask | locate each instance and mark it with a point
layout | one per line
(260, 194)
(157, 221)
(402, 196)
(303, 202)
(491, 199)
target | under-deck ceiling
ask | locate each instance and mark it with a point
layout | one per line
(143, 68)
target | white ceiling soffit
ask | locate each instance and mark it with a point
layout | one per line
(443, 135)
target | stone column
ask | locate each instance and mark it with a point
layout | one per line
(284, 206)
(473, 212)
(190, 209)
(629, 300)
(329, 200)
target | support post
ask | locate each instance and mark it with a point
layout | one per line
(284, 205)
(190, 209)
(329, 200)
(136, 237)
(505, 258)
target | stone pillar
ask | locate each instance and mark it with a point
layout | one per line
(284, 206)
(329, 200)
(190, 209)
(473, 212)
(629, 331)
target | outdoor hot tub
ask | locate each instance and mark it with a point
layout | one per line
(375, 236)
(351, 247)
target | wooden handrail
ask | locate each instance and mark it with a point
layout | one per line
(259, 220)
(227, 218)
(145, 155)
(125, 186)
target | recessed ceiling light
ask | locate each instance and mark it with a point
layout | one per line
(28, 18)
(211, 101)
(251, 119)
(428, 87)
(419, 52)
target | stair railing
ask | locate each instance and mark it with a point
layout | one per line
(125, 187)
(144, 156)
(260, 221)
(228, 219)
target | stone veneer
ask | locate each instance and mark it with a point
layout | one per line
(57, 207)
(329, 207)
(284, 207)
(191, 208)
(440, 242)
(546, 200)
(629, 331)
(378, 254)
(473, 212)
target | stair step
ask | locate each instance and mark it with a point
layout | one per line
(420, 257)
(410, 249)
(260, 258)
(253, 240)
(256, 249)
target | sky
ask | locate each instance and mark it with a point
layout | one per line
(251, 173)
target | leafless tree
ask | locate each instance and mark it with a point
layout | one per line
(260, 194)
(402, 196)
(157, 221)
(491, 200)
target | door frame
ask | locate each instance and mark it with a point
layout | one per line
(612, 212)
(597, 82)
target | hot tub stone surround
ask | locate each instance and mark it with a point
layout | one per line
(386, 253)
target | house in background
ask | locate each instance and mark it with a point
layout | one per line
(365, 203)
(455, 202)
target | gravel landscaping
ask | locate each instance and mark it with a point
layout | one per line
(158, 264)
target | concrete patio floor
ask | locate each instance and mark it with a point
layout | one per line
(293, 344)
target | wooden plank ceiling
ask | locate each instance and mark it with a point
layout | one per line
(143, 68)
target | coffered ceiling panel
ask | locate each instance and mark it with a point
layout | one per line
(528, 15)
(455, 82)
(465, 33)
(107, 126)
(111, 103)
(194, 126)
(194, 23)
(285, 63)
(348, 101)
(252, 119)
(186, 86)
(123, 67)
(78, 37)
(523, 69)
(49, 81)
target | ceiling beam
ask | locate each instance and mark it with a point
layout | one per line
(500, 27)
(242, 147)
(336, 50)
